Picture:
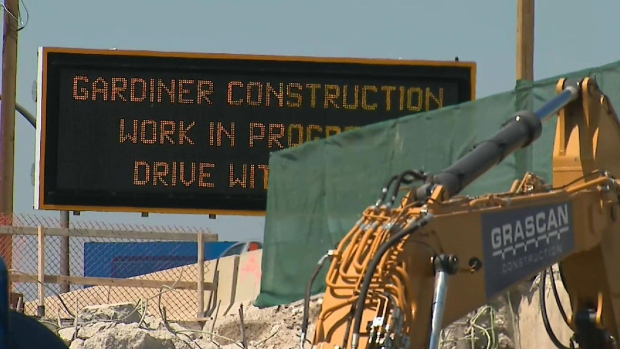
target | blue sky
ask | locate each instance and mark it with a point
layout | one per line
(570, 35)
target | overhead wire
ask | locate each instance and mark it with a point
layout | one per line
(24, 24)
(18, 17)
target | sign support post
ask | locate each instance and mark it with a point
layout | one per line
(65, 252)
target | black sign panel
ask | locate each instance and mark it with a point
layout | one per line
(191, 133)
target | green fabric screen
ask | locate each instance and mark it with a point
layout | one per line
(318, 190)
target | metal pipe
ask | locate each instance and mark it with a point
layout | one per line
(25, 113)
(439, 303)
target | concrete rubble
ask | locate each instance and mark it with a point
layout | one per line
(121, 326)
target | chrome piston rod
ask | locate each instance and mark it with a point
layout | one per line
(439, 302)
(444, 267)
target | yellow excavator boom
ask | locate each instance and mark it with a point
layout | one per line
(408, 269)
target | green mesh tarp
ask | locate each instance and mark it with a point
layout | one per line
(318, 190)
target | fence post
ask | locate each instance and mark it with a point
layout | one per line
(201, 276)
(41, 270)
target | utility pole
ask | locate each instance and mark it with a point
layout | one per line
(525, 40)
(7, 123)
(525, 72)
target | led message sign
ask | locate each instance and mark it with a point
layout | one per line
(141, 131)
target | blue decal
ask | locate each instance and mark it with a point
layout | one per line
(517, 243)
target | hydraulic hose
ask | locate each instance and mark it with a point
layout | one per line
(385, 191)
(556, 295)
(403, 178)
(304, 321)
(406, 177)
(374, 262)
(543, 311)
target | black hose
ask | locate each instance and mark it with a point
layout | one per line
(347, 328)
(562, 278)
(374, 262)
(543, 311)
(385, 190)
(402, 179)
(556, 295)
(304, 321)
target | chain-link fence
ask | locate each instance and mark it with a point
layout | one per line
(95, 263)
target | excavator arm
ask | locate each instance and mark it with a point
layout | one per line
(403, 273)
